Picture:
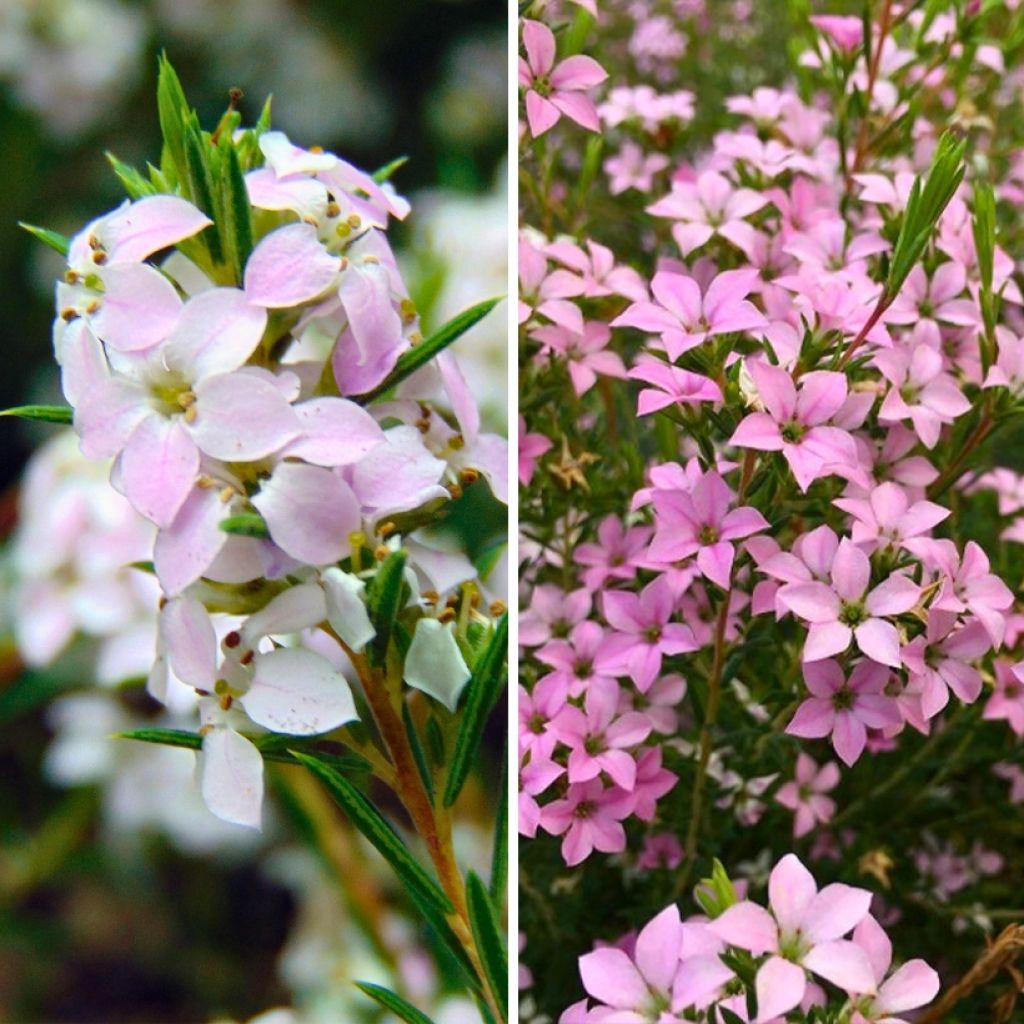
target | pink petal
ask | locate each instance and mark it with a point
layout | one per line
(335, 432)
(844, 964)
(578, 72)
(758, 431)
(826, 639)
(541, 113)
(747, 926)
(148, 225)
(365, 293)
(578, 108)
(231, 777)
(539, 43)
(288, 267)
(240, 418)
(880, 641)
(139, 307)
(791, 889)
(216, 332)
(658, 947)
(310, 512)
(610, 977)
(813, 602)
(780, 985)
(187, 630)
(914, 984)
(186, 549)
(835, 912)
(159, 467)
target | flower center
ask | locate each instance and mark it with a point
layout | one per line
(536, 723)
(842, 700)
(708, 534)
(852, 614)
(793, 432)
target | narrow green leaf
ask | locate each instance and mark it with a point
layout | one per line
(984, 228)
(376, 829)
(499, 853)
(487, 934)
(270, 746)
(200, 179)
(173, 111)
(236, 210)
(42, 413)
(382, 174)
(421, 354)
(418, 752)
(384, 601)
(246, 524)
(482, 692)
(54, 239)
(135, 184)
(403, 1010)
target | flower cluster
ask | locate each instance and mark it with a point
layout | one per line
(807, 948)
(221, 336)
(758, 504)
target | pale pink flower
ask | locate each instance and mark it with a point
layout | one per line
(940, 661)
(795, 421)
(805, 795)
(920, 391)
(547, 291)
(556, 89)
(644, 632)
(615, 556)
(845, 610)
(710, 206)
(700, 522)
(531, 448)
(803, 932)
(913, 985)
(552, 612)
(1007, 700)
(588, 818)
(598, 271)
(845, 708)
(887, 518)
(685, 316)
(585, 352)
(670, 385)
(631, 167)
(846, 32)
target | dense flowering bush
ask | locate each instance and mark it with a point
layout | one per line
(287, 455)
(770, 376)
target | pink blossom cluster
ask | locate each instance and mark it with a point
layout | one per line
(246, 398)
(810, 947)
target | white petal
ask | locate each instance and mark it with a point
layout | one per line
(231, 777)
(298, 692)
(346, 607)
(435, 664)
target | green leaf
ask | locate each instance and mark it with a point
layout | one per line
(403, 1010)
(271, 746)
(135, 184)
(200, 182)
(42, 413)
(499, 855)
(984, 228)
(487, 934)
(384, 601)
(419, 355)
(928, 198)
(54, 239)
(482, 692)
(236, 211)
(376, 829)
(417, 752)
(246, 524)
(173, 110)
(382, 174)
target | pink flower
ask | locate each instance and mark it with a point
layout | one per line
(615, 556)
(546, 291)
(845, 31)
(939, 661)
(887, 519)
(556, 89)
(584, 656)
(552, 613)
(700, 522)
(913, 985)
(927, 303)
(651, 981)
(685, 317)
(921, 391)
(644, 630)
(531, 448)
(584, 351)
(1007, 700)
(707, 207)
(844, 709)
(794, 422)
(671, 385)
(599, 274)
(805, 795)
(845, 610)
(632, 168)
(803, 932)
(598, 737)
(588, 818)
(661, 850)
